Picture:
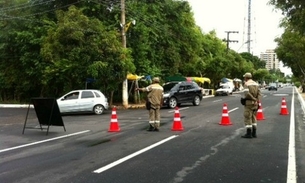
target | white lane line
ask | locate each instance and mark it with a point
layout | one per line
(291, 169)
(180, 109)
(39, 142)
(233, 109)
(100, 170)
(280, 94)
(217, 100)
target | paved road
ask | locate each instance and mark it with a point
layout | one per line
(203, 152)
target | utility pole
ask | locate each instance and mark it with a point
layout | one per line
(125, 82)
(249, 27)
(228, 39)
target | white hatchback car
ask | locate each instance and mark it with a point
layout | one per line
(83, 101)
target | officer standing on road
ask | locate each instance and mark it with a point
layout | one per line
(252, 95)
(154, 97)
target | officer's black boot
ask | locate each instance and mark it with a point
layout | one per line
(151, 128)
(248, 135)
(254, 132)
(156, 127)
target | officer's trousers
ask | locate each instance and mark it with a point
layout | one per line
(154, 115)
(250, 116)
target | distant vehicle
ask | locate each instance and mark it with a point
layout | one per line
(273, 84)
(226, 87)
(178, 92)
(272, 88)
(89, 101)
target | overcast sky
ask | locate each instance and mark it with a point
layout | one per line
(232, 15)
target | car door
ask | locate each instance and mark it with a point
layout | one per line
(190, 92)
(86, 101)
(182, 94)
(69, 102)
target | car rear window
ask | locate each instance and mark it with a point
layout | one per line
(87, 94)
(97, 95)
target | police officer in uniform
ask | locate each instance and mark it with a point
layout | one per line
(252, 94)
(155, 97)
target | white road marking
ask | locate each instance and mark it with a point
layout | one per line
(180, 109)
(280, 94)
(217, 100)
(291, 169)
(39, 142)
(100, 170)
(233, 109)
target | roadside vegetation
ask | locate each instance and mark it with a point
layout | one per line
(49, 47)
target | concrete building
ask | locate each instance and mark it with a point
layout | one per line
(271, 59)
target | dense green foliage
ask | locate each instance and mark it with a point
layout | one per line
(49, 47)
(291, 44)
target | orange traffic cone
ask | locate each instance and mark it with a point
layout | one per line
(259, 114)
(284, 110)
(225, 119)
(177, 124)
(114, 125)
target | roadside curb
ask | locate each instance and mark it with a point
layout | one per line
(133, 106)
(16, 106)
(301, 99)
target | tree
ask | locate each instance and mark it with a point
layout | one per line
(257, 63)
(260, 74)
(290, 50)
(294, 12)
(78, 47)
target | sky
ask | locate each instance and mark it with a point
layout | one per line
(232, 15)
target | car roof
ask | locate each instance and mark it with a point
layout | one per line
(180, 82)
(86, 90)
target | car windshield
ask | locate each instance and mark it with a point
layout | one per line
(167, 87)
(224, 87)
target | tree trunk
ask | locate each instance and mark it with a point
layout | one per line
(111, 98)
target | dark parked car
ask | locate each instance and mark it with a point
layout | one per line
(272, 88)
(176, 93)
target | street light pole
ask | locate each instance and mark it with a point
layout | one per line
(125, 82)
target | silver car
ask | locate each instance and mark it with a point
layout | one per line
(83, 101)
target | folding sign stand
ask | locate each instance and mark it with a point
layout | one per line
(47, 112)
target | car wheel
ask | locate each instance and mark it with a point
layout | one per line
(196, 100)
(172, 103)
(98, 109)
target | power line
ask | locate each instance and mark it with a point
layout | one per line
(8, 17)
(22, 6)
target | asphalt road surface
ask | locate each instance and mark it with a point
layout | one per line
(203, 152)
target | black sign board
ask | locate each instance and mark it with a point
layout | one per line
(47, 112)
